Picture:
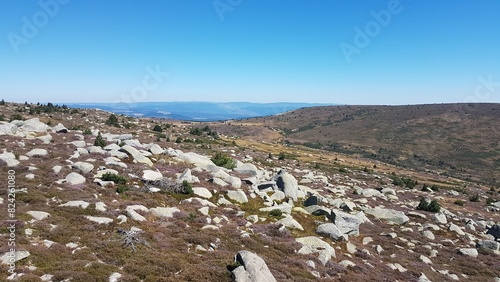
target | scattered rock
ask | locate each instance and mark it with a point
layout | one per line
(59, 128)
(83, 167)
(330, 230)
(289, 222)
(76, 204)
(38, 215)
(74, 179)
(312, 244)
(37, 153)
(99, 220)
(8, 258)
(252, 268)
(389, 215)
(164, 212)
(494, 231)
(439, 217)
(136, 155)
(287, 183)
(131, 211)
(468, 252)
(202, 192)
(151, 175)
(9, 158)
(456, 229)
(238, 196)
(155, 149)
(34, 125)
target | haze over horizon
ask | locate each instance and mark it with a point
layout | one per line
(374, 52)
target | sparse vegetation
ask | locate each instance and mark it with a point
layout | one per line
(281, 156)
(433, 206)
(459, 202)
(157, 128)
(113, 121)
(88, 132)
(118, 179)
(223, 160)
(276, 213)
(99, 141)
(474, 198)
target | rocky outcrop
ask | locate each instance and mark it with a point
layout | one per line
(388, 215)
(313, 244)
(287, 183)
(136, 155)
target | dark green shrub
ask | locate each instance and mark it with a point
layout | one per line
(275, 213)
(113, 121)
(223, 160)
(433, 206)
(16, 117)
(281, 156)
(459, 203)
(99, 141)
(87, 132)
(2, 118)
(196, 131)
(187, 187)
(342, 169)
(178, 140)
(121, 189)
(118, 179)
(157, 128)
(474, 198)
(2, 102)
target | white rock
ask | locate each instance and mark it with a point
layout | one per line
(469, 252)
(440, 218)
(288, 184)
(389, 215)
(456, 229)
(38, 215)
(37, 152)
(289, 222)
(138, 156)
(78, 144)
(100, 206)
(425, 259)
(9, 158)
(155, 149)
(312, 244)
(8, 129)
(204, 210)
(330, 230)
(83, 167)
(187, 176)
(151, 175)
(45, 138)
(100, 220)
(131, 211)
(9, 257)
(34, 125)
(74, 178)
(238, 196)
(429, 235)
(59, 128)
(122, 219)
(56, 169)
(164, 212)
(196, 159)
(202, 192)
(81, 204)
(115, 277)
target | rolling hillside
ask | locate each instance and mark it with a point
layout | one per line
(461, 140)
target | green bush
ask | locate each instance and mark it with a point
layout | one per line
(281, 156)
(118, 179)
(87, 132)
(2, 118)
(99, 141)
(2, 102)
(157, 128)
(16, 117)
(178, 140)
(187, 187)
(121, 189)
(223, 160)
(474, 198)
(433, 206)
(459, 203)
(113, 121)
(275, 213)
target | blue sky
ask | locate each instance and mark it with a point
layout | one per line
(259, 51)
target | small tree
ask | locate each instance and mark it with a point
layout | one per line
(281, 156)
(113, 121)
(99, 141)
(157, 128)
(2, 102)
(223, 160)
(433, 206)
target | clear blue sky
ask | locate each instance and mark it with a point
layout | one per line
(249, 50)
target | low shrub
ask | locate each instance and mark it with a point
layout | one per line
(474, 198)
(275, 213)
(223, 160)
(118, 179)
(433, 206)
(459, 203)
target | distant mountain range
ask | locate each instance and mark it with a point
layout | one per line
(196, 111)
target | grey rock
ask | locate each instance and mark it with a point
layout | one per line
(347, 223)
(151, 175)
(319, 210)
(34, 125)
(253, 268)
(46, 139)
(289, 222)
(331, 230)
(99, 220)
(202, 192)
(468, 252)
(246, 168)
(196, 159)
(164, 212)
(388, 215)
(136, 155)
(132, 212)
(38, 215)
(83, 167)
(312, 244)
(8, 257)
(488, 245)
(8, 129)
(60, 128)
(286, 208)
(456, 229)
(237, 196)
(311, 201)
(76, 204)
(155, 149)
(74, 178)
(9, 158)
(37, 152)
(439, 218)
(187, 176)
(288, 184)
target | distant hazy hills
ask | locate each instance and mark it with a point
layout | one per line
(196, 111)
(457, 139)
